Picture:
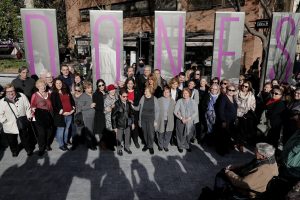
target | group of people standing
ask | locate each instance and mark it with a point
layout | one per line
(144, 108)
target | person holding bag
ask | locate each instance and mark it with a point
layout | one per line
(41, 107)
(15, 107)
(246, 116)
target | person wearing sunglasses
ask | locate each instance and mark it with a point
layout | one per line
(275, 108)
(246, 116)
(99, 119)
(78, 120)
(223, 84)
(122, 119)
(226, 114)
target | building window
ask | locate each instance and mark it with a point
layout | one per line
(194, 5)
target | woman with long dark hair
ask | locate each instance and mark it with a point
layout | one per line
(99, 119)
(63, 109)
(133, 98)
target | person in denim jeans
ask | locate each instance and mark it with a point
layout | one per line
(63, 109)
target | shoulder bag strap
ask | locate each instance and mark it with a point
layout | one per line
(11, 110)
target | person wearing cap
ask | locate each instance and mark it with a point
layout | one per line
(254, 177)
(109, 104)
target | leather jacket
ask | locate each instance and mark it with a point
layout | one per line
(122, 116)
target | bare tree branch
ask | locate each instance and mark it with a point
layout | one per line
(266, 8)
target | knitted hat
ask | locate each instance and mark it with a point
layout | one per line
(110, 87)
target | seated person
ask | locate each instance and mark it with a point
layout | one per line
(253, 177)
(290, 158)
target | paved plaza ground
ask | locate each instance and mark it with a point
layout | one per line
(103, 175)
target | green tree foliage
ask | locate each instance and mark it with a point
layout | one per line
(59, 5)
(10, 22)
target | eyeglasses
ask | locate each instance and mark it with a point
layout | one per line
(231, 90)
(245, 86)
(198, 74)
(224, 83)
(297, 93)
(77, 90)
(100, 85)
(276, 93)
(124, 96)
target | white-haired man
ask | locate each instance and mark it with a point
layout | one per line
(254, 176)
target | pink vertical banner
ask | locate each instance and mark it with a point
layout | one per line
(169, 42)
(40, 39)
(228, 40)
(282, 47)
(107, 45)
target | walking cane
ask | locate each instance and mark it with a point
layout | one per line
(34, 133)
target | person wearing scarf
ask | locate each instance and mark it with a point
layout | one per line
(210, 114)
(254, 177)
(275, 108)
(187, 117)
(246, 117)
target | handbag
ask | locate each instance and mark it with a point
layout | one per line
(264, 124)
(78, 119)
(22, 122)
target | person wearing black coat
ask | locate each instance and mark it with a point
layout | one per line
(98, 99)
(122, 120)
(226, 114)
(63, 108)
(275, 108)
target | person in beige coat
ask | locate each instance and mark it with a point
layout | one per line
(254, 177)
(13, 105)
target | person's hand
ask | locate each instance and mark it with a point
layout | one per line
(72, 111)
(131, 102)
(155, 124)
(132, 126)
(224, 124)
(115, 130)
(112, 106)
(93, 105)
(33, 109)
(66, 113)
(108, 109)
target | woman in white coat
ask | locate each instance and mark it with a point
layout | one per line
(12, 106)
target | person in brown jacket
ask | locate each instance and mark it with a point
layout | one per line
(254, 176)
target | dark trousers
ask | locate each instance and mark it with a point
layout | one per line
(119, 138)
(183, 140)
(13, 141)
(44, 135)
(135, 132)
(148, 132)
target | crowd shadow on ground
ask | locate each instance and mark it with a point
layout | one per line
(74, 176)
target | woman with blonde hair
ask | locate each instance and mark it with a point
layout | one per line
(152, 82)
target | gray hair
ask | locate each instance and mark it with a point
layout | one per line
(265, 149)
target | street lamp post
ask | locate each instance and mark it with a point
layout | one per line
(141, 35)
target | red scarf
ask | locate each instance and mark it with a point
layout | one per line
(272, 101)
